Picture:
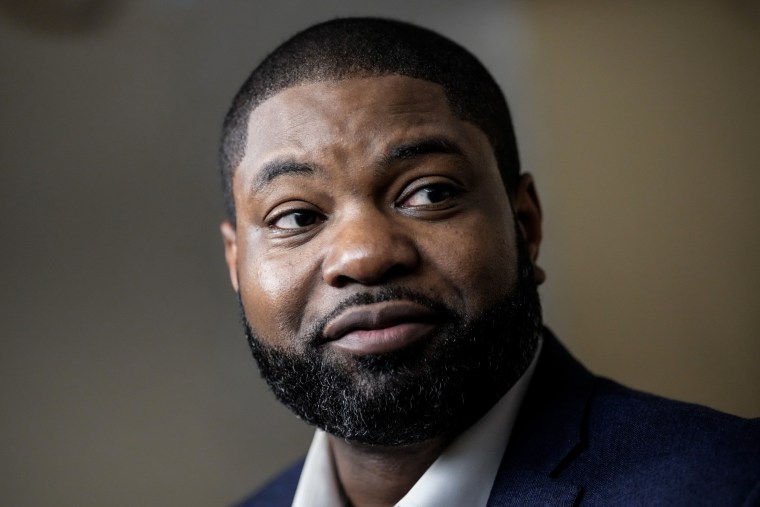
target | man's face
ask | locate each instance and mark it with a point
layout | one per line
(375, 241)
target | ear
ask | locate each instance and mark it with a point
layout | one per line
(527, 210)
(229, 236)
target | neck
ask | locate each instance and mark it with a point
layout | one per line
(373, 476)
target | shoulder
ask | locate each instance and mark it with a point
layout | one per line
(668, 449)
(620, 446)
(277, 492)
(649, 421)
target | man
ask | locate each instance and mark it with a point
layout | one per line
(384, 246)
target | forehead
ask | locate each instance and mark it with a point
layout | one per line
(378, 95)
(366, 114)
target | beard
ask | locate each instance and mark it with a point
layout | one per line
(435, 387)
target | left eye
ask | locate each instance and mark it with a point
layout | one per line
(430, 194)
(296, 220)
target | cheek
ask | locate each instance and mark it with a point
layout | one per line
(274, 290)
(479, 259)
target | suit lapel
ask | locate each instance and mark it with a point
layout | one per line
(548, 434)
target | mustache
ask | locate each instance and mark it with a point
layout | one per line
(315, 333)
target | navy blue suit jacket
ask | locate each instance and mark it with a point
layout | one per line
(585, 440)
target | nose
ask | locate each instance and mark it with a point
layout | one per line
(370, 249)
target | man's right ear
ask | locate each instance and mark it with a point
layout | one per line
(229, 236)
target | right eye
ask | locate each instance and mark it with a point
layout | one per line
(296, 219)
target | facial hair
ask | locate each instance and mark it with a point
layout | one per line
(435, 387)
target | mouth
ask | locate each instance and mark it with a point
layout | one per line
(380, 327)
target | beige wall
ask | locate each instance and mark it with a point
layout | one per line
(124, 378)
(648, 118)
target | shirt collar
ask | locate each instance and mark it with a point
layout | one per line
(462, 475)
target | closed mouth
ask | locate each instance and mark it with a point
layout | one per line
(380, 327)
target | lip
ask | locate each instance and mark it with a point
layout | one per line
(380, 327)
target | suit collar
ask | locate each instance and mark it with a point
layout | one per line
(548, 434)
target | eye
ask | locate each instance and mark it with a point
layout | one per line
(296, 219)
(430, 195)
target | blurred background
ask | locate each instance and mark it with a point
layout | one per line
(124, 376)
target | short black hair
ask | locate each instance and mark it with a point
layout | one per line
(366, 47)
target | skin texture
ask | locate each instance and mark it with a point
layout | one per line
(348, 207)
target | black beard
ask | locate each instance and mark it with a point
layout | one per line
(436, 387)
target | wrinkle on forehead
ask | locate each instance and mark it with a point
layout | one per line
(308, 101)
(291, 116)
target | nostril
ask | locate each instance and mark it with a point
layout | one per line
(378, 277)
(398, 271)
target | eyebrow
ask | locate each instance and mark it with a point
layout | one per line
(432, 145)
(275, 169)
(427, 146)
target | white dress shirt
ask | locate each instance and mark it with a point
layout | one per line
(462, 475)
